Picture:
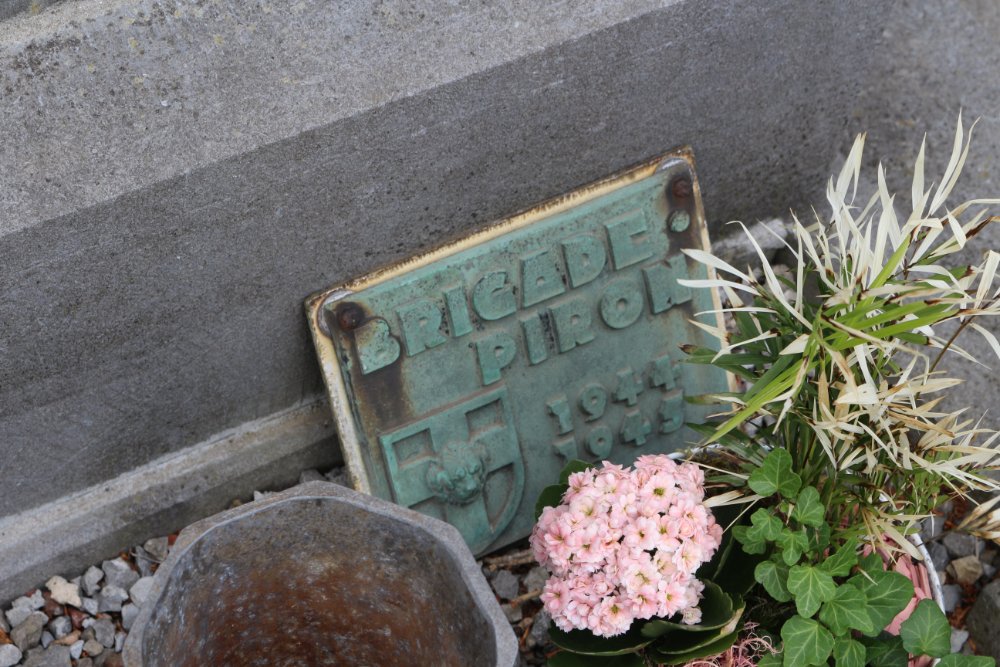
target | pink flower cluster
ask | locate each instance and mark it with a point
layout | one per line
(624, 544)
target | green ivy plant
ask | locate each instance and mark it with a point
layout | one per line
(840, 601)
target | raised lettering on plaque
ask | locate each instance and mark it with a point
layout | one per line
(463, 380)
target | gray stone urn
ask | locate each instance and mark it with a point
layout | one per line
(320, 575)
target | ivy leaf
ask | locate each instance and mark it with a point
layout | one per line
(819, 538)
(959, 660)
(774, 577)
(885, 651)
(846, 611)
(887, 594)
(871, 564)
(926, 631)
(842, 560)
(809, 508)
(793, 544)
(751, 544)
(848, 653)
(775, 475)
(771, 660)
(765, 526)
(811, 588)
(806, 642)
(550, 496)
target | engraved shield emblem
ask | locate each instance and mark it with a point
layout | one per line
(462, 464)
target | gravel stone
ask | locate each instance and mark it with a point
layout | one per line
(311, 475)
(120, 641)
(111, 598)
(16, 615)
(157, 548)
(10, 655)
(338, 476)
(104, 632)
(89, 605)
(33, 658)
(118, 573)
(966, 570)
(513, 613)
(960, 545)
(540, 628)
(958, 639)
(93, 647)
(143, 561)
(36, 600)
(84, 662)
(129, 614)
(76, 649)
(60, 626)
(46, 639)
(140, 590)
(982, 620)
(536, 578)
(505, 584)
(4, 625)
(931, 527)
(939, 555)
(92, 580)
(63, 591)
(989, 571)
(951, 595)
(28, 634)
(56, 656)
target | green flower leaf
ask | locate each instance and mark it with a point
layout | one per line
(793, 544)
(809, 508)
(843, 559)
(846, 611)
(811, 588)
(959, 660)
(848, 653)
(587, 643)
(775, 475)
(752, 544)
(885, 651)
(714, 648)
(765, 526)
(887, 594)
(926, 631)
(550, 496)
(717, 611)
(774, 578)
(806, 642)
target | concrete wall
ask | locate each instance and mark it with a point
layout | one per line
(175, 177)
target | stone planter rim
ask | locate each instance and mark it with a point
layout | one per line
(507, 652)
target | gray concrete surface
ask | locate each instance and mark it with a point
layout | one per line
(175, 177)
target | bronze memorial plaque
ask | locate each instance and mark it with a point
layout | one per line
(462, 380)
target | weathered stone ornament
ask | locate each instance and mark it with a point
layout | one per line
(464, 379)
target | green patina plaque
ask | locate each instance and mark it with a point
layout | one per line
(463, 380)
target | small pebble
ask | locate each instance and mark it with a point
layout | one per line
(338, 476)
(157, 548)
(513, 613)
(540, 628)
(69, 639)
(140, 590)
(939, 555)
(10, 655)
(960, 545)
(966, 570)
(93, 648)
(63, 591)
(111, 598)
(46, 639)
(311, 475)
(89, 605)
(144, 562)
(951, 595)
(4, 625)
(536, 578)
(92, 580)
(505, 584)
(958, 639)
(16, 615)
(120, 641)
(118, 573)
(129, 614)
(989, 571)
(76, 649)
(84, 662)
(28, 634)
(104, 632)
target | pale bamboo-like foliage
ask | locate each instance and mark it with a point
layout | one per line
(841, 362)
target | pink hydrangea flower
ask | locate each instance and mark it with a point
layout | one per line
(624, 544)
